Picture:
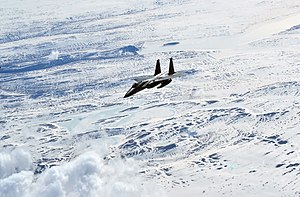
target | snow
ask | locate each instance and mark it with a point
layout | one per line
(229, 126)
(54, 55)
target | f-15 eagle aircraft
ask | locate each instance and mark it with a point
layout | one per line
(159, 79)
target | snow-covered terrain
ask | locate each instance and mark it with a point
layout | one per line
(229, 127)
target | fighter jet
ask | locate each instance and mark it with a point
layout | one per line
(159, 79)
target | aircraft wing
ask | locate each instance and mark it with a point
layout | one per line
(154, 78)
(147, 77)
(142, 78)
(166, 76)
(177, 74)
(163, 76)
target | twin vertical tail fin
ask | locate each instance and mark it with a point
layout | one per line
(171, 67)
(157, 68)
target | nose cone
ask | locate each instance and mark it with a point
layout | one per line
(135, 89)
(126, 95)
(129, 93)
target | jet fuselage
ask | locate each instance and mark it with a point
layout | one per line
(159, 79)
(139, 86)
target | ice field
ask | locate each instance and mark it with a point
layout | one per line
(229, 127)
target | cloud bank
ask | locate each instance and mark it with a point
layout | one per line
(86, 175)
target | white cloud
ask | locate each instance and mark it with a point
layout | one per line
(18, 160)
(90, 175)
(87, 175)
(15, 185)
